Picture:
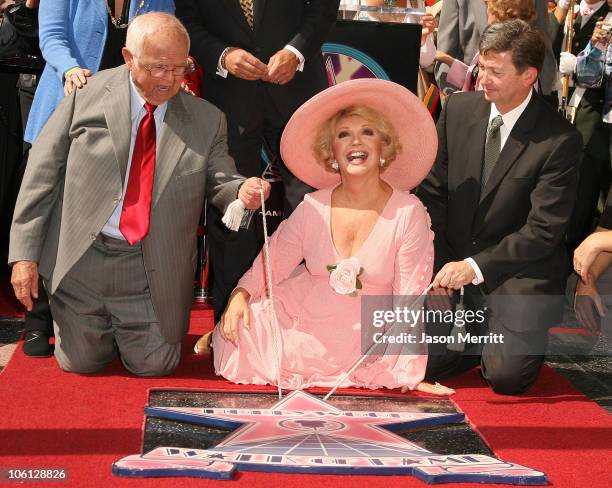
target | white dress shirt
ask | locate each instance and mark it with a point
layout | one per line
(510, 118)
(138, 111)
(587, 10)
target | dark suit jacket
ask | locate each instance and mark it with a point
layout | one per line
(214, 25)
(515, 231)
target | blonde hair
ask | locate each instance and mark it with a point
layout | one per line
(512, 9)
(151, 24)
(322, 147)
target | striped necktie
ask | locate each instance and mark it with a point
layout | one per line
(492, 150)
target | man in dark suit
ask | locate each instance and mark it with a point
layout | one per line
(500, 195)
(261, 60)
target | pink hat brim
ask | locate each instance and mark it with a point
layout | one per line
(408, 115)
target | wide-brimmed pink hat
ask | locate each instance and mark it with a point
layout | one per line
(408, 115)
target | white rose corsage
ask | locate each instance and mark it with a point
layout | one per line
(344, 276)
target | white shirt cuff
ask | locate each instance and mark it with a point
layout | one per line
(299, 56)
(221, 71)
(479, 278)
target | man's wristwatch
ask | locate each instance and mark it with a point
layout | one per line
(224, 54)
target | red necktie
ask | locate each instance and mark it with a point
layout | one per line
(134, 223)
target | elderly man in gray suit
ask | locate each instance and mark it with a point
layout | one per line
(462, 22)
(110, 202)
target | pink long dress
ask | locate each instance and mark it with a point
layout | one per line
(320, 329)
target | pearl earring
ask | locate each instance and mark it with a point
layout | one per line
(382, 162)
(334, 165)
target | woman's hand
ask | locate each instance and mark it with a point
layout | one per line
(75, 77)
(186, 89)
(237, 308)
(586, 252)
(435, 389)
(442, 57)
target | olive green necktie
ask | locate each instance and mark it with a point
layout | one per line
(492, 150)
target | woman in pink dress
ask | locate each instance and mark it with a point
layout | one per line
(361, 234)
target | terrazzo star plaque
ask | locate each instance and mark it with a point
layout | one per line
(303, 434)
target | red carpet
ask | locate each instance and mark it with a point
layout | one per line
(83, 423)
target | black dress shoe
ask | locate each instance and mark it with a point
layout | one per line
(36, 344)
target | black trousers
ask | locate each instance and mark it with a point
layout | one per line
(593, 186)
(11, 137)
(594, 173)
(39, 318)
(232, 253)
(509, 368)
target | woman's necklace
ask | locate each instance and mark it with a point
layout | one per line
(117, 21)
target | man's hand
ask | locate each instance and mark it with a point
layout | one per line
(249, 192)
(75, 77)
(601, 34)
(282, 67)
(588, 306)
(454, 275)
(25, 282)
(243, 64)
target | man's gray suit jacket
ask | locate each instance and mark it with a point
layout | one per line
(74, 180)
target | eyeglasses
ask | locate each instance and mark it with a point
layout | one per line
(158, 70)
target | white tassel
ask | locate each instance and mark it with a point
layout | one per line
(233, 215)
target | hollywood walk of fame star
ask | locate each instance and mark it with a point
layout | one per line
(304, 434)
